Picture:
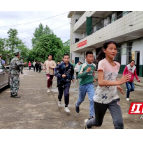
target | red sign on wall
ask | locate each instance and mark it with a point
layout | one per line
(82, 43)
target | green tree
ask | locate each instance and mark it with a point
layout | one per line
(13, 40)
(47, 44)
(59, 55)
(66, 47)
(39, 32)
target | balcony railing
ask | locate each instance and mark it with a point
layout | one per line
(104, 25)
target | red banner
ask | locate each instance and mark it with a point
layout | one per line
(82, 43)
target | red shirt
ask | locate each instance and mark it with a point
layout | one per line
(132, 71)
(29, 64)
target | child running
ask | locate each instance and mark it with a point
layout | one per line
(87, 77)
(130, 69)
(64, 73)
(106, 96)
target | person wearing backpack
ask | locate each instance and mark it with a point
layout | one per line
(87, 77)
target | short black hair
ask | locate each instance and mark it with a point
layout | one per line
(89, 52)
(132, 60)
(65, 55)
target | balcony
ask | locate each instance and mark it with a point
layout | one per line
(80, 25)
(129, 27)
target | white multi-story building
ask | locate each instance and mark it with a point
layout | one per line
(90, 29)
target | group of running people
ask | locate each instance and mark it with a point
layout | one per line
(105, 96)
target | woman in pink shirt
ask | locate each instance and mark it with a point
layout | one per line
(29, 65)
(130, 69)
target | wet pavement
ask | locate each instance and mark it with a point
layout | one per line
(37, 109)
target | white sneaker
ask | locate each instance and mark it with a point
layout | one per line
(48, 90)
(59, 103)
(67, 109)
(127, 99)
(85, 125)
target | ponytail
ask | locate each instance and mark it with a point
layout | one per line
(100, 56)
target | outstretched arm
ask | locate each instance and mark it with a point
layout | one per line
(135, 74)
(103, 82)
(18, 63)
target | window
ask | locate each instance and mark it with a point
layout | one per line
(77, 40)
(119, 14)
(125, 12)
(113, 17)
(76, 20)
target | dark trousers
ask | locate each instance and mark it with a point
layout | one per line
(76, 75)
(100, 110)
(64, 90)
(21, 69)
(49, 80)
(130, 87)
(34, 68)
(29, 67)
(39, 69)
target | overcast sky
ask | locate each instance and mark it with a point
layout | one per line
(9, 18)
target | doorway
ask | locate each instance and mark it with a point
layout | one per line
(76, 60)
(137, 61)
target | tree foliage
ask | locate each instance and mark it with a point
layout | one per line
(44, 42)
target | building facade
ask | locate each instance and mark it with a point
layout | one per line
(90, 29)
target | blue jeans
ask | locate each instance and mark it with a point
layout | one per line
(130, 87)
(83, 89)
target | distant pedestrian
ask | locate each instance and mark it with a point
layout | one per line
(49, 66)
(29, 65)
(58, 63)
(77, 69)
(1, 60)
(34, 65)
(40, 66)
(37, 66)
(130, 69)
(73, 63)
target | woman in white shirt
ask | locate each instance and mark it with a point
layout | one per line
(77, 69)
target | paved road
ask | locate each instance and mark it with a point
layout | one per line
(38, 110)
